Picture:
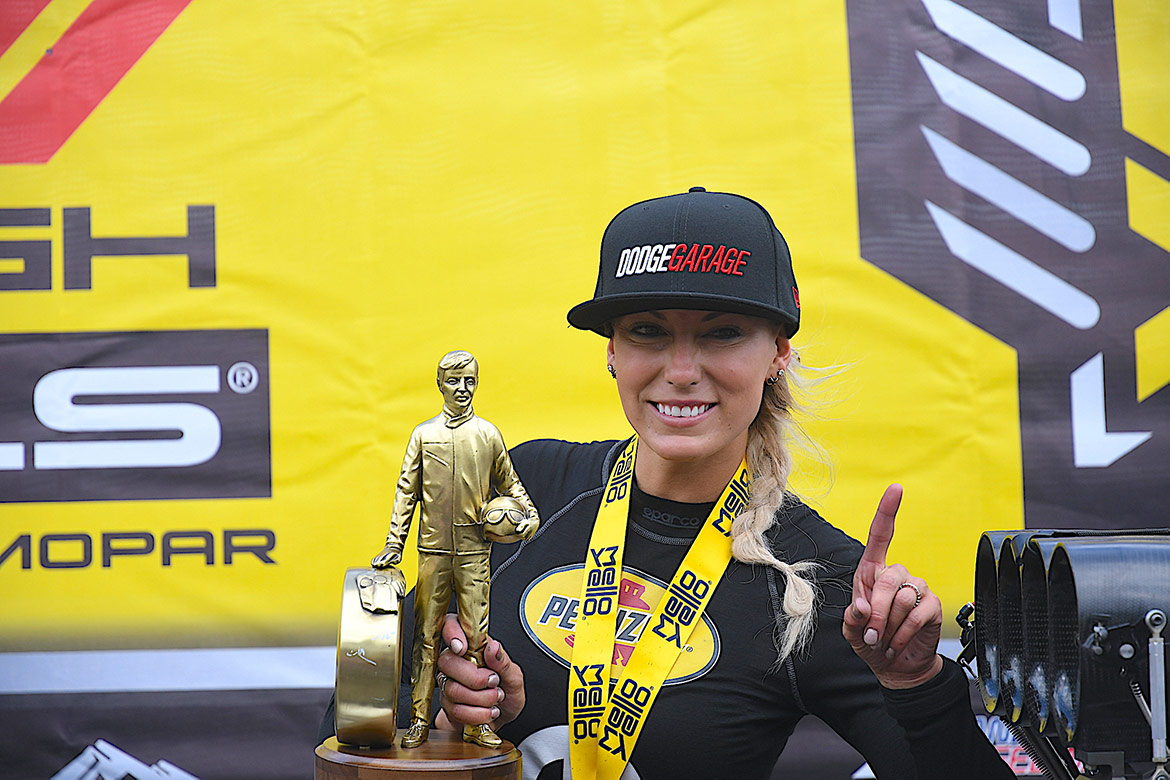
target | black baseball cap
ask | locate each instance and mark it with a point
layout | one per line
(694, 250)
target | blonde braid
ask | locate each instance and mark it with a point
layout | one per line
(770, 461)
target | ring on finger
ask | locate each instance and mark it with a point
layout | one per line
(441, 681)
(917, 592)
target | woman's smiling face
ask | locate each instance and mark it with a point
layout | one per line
(691, 382)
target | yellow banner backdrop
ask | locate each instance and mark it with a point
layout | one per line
(393, 180)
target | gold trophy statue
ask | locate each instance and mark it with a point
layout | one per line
(453, 462)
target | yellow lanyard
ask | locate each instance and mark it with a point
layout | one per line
(604, 728)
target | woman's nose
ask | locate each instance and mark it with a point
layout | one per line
(682, 366)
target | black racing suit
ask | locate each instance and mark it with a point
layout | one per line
(732, 711)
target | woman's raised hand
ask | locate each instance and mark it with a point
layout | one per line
(895, 621)
(472, 695)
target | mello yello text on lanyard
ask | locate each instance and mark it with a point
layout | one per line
(604, 728)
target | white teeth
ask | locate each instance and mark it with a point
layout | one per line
(683, 411)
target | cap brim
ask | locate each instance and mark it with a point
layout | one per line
(593, 315)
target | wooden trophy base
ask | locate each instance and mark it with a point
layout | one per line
(444, 754)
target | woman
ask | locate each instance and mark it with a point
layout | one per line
(757, 620)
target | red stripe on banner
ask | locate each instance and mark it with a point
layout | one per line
(73, 77)
(15, 17)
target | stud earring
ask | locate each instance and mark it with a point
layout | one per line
(774, 379)
(612, 372)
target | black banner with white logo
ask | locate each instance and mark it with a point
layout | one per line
(134, 415)
(991, 167)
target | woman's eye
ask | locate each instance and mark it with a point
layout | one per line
(645, 331)
(725, 334)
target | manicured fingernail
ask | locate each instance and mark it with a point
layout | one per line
(500, 653)
(456, 647)
(890, 652)
(500, 696)
(493, 680)
(495, 712)
(871, 636)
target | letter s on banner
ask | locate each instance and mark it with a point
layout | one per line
(54, 402)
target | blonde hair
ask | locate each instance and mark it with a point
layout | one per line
(769, 457)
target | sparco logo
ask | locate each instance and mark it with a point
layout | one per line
(134, 415)
(1008, 205)
(689, 258)
(666, 518)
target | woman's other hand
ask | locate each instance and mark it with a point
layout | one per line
(895, 621)
(472, 695)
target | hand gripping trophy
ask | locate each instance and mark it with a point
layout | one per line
(453, 462)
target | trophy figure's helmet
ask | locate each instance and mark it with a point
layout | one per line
(500, 518)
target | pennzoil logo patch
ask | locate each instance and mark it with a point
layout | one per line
(550, 607)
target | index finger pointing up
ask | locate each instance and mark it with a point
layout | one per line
(881, 531)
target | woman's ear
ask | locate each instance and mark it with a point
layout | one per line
(783, 353)
(609, 351)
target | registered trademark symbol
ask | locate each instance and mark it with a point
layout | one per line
(689, 649)
(243, 377)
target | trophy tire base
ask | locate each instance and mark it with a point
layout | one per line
(444, 754)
